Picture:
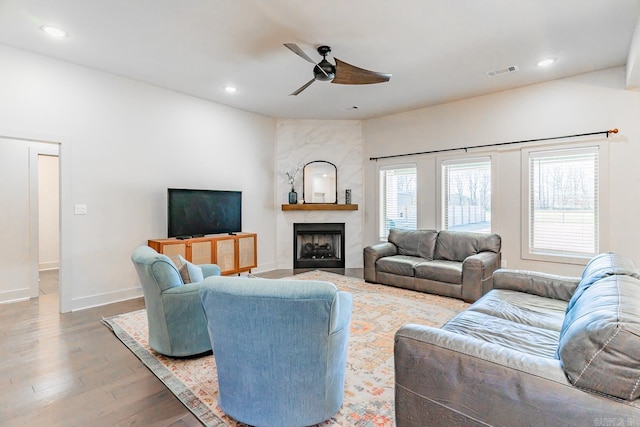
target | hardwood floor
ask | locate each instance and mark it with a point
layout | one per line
(70, 370)
(49, 282)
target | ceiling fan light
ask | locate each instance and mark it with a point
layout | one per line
(545, 62)
(54, 31)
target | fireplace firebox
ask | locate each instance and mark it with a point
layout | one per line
(318, 245)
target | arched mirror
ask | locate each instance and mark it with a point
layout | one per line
(319, 182)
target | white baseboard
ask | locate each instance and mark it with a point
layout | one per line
(264, 267)
(106, 298)
(52, 265)
(15, 295)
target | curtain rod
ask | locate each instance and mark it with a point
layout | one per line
(607, 132)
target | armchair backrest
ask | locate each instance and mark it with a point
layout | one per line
(280, 348)
(156, 271)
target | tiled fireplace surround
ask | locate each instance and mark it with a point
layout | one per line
(336, 141)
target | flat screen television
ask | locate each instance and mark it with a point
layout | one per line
(193, 213)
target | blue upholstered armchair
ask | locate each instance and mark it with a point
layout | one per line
(177, 325)
(280, 348)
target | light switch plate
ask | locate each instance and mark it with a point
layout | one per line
(80, 209)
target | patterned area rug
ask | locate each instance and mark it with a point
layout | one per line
(378, 312)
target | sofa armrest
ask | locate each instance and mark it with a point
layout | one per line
(536, 283)
(477, 274)
(443, 378)
(210, 270)
(182, 290)
(184, 319)
(374, 253)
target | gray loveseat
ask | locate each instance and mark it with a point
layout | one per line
(538, 350)
(450, 263)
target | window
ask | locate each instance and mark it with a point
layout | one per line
(466, 195)
(563, 211)
(398, 208)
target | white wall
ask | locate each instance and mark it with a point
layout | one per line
(338, 142)
(586, 103)
(122, 144)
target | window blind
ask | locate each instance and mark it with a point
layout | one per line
(563, 205)
(466, 194)
(398, 194)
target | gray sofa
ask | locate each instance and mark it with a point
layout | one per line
(450, 263)
(538, 350)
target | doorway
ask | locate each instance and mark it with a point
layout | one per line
(48, 223)
(20, 217)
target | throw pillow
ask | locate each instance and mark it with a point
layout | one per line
(190, 272)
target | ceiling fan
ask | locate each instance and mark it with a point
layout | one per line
(341, 73)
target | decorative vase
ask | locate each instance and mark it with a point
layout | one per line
(293, 197)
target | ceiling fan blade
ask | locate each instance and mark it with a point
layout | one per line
(348, 74)
(295, 49)
(306, 85)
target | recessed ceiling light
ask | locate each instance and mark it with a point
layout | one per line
(230, 89)
(54, 31)
(545, 62)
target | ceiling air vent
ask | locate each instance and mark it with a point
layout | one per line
(511, 69)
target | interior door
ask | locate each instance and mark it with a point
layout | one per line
(17, 270)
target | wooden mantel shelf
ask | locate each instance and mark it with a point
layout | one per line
(319, 207)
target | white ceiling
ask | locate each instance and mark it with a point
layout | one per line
(437, 50)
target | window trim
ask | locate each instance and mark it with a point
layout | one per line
(461, 159)
(380, 207)
(603, 211)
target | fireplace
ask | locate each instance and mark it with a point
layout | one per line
(318, 245)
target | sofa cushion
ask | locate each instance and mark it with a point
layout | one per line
(600, 266)
(418, 243)
(402, 265)
(506, 333)
(440, 271)
(458, 245)
(521, 307)
(600, 340)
